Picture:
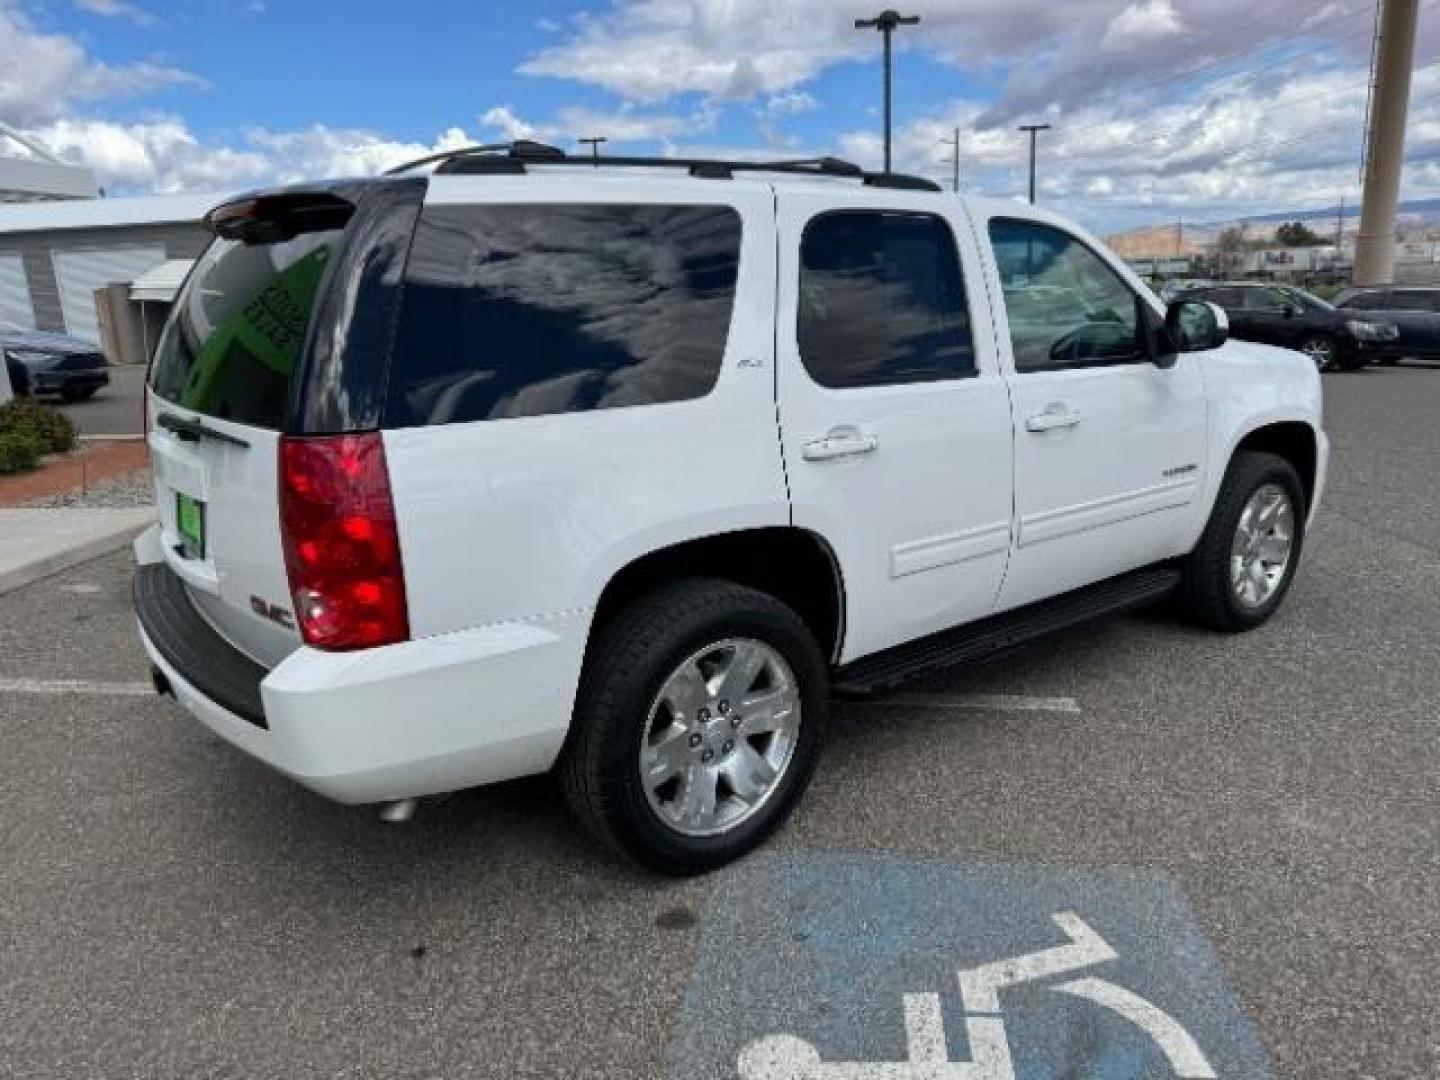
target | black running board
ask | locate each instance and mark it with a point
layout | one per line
(964, 644)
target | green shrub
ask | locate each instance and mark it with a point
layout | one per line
(50, 426)
(20, 451)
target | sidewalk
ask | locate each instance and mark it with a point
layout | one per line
(37, 543)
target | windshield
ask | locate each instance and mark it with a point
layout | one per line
(233, 342)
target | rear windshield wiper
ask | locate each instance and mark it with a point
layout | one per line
(194, 430)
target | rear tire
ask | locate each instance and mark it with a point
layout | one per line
(1234, 579)
(73, 394)
(641, 713)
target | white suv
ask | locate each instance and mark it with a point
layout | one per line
(621, 469)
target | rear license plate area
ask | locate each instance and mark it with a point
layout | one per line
(190, 525)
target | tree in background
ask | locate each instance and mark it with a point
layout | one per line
(1297, 234)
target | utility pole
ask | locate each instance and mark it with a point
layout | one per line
(1179, 236)
(1340, 228)
(1033, 129)
(954, 143)
(887, 22)
(1385, 145)
(593, 141)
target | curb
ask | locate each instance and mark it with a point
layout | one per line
(113, 536)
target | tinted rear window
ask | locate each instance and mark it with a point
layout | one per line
(525, 310)
(233, 342)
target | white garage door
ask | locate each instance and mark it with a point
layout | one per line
(80, 273)
(15, 309)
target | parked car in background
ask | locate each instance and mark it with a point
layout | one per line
(48, 363)
(1295, 319)
(1171, 289)
(1415, 311)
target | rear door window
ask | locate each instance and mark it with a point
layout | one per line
(234, 340)
(531, 310)
(881, 300)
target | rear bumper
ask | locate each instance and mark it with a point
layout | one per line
(406, 720)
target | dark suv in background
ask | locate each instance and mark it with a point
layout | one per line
(40, 362)
(1295, 319)
(1415, 311)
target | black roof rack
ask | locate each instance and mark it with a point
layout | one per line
(514, 157)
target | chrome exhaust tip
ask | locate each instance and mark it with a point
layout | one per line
(398, 812)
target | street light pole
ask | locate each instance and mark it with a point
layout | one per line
(593, 141)
(1033, 129)
(954, 143)
(886, 22)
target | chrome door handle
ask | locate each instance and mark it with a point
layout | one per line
(841, 442)
(1050, 421)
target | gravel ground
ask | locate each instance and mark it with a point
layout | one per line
(132, 489)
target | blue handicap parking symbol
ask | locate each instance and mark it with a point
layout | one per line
(854, 968)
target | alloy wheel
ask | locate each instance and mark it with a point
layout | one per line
(1264, 542)
(720, 736)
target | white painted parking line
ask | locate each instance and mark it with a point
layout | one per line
(974, 702)
(75, 686)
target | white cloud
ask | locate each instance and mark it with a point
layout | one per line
(790, 103)
(118, 9)
(163, 155)
(1295, 145)
(1141, 23)
(618, 126)
(44, 76)
(1051, 53)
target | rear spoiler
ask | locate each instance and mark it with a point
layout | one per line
(271, 219)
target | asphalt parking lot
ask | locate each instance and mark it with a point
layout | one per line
(115, 409)
(1249, 824)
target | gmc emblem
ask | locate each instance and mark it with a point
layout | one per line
(273, 612)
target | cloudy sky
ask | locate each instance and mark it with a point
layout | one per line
(1202, 109)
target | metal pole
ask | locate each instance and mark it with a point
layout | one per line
(886, 22)
(593, 141)
(887, 32)
(1385, 157)
(954, 144)
(1034, 130)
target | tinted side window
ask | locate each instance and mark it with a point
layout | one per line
(524, 310)
(881, 300)
(1371, 301)
(1066, 306)
(1229, 299)
(1412, 301)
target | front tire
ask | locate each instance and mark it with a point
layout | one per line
(1243, 566)
(1322, 350)
(697, 725)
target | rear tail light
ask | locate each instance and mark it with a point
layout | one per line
(342, 550)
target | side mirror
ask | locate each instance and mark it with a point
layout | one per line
(1197, 325)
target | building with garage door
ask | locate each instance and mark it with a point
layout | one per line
(55, 255)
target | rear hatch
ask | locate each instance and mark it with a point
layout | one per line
(226, 382)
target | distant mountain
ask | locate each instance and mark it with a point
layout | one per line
(1415, 216)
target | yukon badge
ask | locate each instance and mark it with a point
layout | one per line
(1180, 470)
(274, 612)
